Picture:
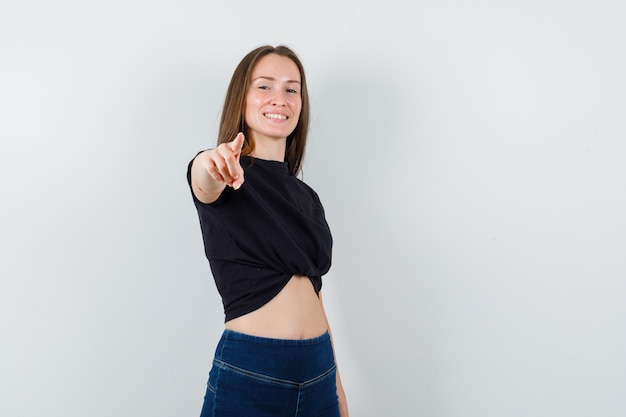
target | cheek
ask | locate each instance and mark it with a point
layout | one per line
(253, 100)
(296, 105)
(250, 106)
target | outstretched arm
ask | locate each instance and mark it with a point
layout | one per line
(214, 169)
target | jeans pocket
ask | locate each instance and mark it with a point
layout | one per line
(212, 382)
(208, 407)
(250, 394)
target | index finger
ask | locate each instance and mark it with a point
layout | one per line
(237, 143)
(234, 167)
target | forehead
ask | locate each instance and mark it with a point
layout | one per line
(276, 66)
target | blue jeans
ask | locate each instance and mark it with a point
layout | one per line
(261, 377)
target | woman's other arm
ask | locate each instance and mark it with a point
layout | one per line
(341, 394)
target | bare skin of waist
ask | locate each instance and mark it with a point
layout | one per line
(295, 313)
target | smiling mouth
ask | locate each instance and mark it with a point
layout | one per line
(275, 116)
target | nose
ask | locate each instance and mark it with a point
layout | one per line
(279, 98)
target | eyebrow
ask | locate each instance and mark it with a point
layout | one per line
(274, 79)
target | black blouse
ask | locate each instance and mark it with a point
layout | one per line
(260, 235)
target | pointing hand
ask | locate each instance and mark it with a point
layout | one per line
(223, 162)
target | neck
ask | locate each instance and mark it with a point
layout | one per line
(270, 149)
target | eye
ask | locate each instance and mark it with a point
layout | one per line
(293, 91)
(264, 87)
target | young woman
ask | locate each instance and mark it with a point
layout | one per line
(268, 245)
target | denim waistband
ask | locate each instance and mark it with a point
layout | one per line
(287, 359)
(246, 338)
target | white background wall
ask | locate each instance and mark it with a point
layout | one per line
(470, 156)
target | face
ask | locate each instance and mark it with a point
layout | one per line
(273, 101)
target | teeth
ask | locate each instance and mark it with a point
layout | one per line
(275, 116)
